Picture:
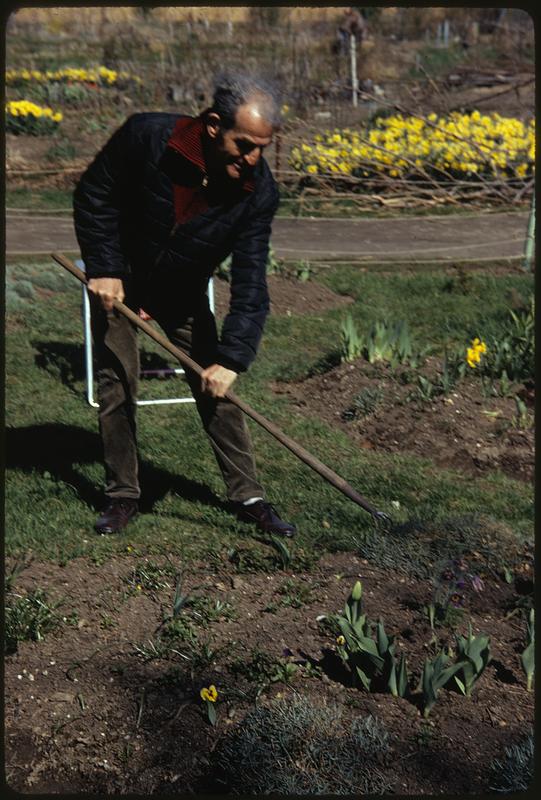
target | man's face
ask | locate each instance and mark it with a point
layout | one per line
(238, 149)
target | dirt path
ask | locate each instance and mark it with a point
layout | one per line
(449, 239)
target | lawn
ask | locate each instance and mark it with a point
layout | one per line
(53, 445)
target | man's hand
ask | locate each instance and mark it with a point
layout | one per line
(216, 380)
(107, 290)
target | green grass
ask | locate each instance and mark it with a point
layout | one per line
(40, 199)
(53, 453)
(438, 60)
(436, 307)
(28, 618)
(62, 200)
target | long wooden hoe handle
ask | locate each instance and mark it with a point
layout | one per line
(186, 361)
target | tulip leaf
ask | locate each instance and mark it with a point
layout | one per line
(365, 680)
(402, 684)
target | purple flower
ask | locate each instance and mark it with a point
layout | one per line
(287, 653)
(457, 600)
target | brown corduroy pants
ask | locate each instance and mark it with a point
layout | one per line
(118, 367)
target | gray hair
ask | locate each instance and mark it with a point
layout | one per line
(232, 90)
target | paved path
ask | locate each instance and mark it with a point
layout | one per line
(449, 238)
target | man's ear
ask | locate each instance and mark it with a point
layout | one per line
(213, 124)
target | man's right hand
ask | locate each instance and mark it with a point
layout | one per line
(107, 290)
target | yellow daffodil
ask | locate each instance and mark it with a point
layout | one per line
(96, 75)
(473, 353)
(472, 357)
(471, 144)
(479, 345)
(36, 118)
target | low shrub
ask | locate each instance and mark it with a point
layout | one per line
(293, 747)
(514, 773)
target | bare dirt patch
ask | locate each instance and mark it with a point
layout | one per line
(85, 713)
(465, 430)
(287, 296)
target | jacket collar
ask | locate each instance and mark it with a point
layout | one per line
(187, 139)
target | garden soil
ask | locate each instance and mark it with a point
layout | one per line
(464, 430)
(85, 712)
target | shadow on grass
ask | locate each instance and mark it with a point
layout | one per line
(58, 449)
(65, 360)
(61, 360)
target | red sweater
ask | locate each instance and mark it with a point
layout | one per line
(187, 139)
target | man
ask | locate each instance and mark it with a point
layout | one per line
(161, 206)
(352, 24)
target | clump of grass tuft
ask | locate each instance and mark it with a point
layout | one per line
(150, 576)
(28, 618)
(293, 747)
(363, 404)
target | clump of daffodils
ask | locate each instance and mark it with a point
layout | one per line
(464, 146)
(98, 76)
(23, 116)
(474, 352)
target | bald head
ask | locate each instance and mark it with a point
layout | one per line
(233, 91)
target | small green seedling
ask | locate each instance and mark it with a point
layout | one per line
(435, 675)
(473, 656)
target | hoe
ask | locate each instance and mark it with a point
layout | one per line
(186, 361)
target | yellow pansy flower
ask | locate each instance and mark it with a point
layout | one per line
(210, 694)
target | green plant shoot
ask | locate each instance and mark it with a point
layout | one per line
(473, 654)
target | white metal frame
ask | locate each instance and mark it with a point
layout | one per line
(89, 361)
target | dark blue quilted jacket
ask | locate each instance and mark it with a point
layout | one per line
(125, 225)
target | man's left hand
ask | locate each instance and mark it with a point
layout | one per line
(216, 380)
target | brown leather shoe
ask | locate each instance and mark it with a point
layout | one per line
(117, 515)
(265, 517)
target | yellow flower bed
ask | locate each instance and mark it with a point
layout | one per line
(23, 116)
(459, 145)
(100, 76)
